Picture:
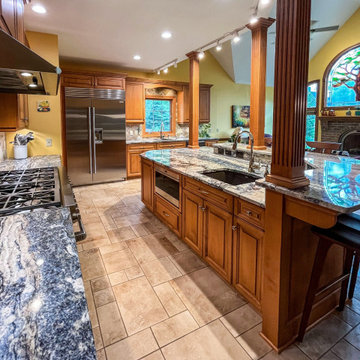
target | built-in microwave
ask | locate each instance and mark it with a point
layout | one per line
(167, 185)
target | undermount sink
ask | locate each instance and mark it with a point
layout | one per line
(232, 177)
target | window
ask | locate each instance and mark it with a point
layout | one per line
(312, 108)
(342, 80)
(159, 110)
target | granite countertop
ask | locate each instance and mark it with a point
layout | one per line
(192, 162)
(43, 310)
(31, 163)
(334, 183)
(242, 148)
(158, 140)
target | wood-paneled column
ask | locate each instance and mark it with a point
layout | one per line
(290, 92)
(258, 80)
(194, 95)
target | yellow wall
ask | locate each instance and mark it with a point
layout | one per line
(348, 35)
(44, 125)
(224, 92)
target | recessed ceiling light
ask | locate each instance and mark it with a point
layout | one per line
(26, 74)
(39, 9)
(137, 57)
(166, 35)
(201, 55)
(166, 70)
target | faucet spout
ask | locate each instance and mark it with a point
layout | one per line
(251, 137)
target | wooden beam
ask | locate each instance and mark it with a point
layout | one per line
(290, 93)
(258, 80)
(194, 94)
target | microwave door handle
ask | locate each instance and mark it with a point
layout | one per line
(94, 138)
(90, 140)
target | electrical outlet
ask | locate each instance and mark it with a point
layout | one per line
(131, 132)
(48, 142)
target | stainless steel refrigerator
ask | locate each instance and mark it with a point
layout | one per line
(95, 135)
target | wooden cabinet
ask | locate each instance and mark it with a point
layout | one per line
(147, 183)
(133, 159)
(109, 82)
(8, 16)
(77, 80)
(93, 80)
(217, 240)
(135, 103)
(248, 260)
(168, 213)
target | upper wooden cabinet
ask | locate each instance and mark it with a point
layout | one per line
(8, 16)
(93, 80)
(135, 102)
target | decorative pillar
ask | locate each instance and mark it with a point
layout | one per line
(258, 80)
(194, 92)
(290, 93)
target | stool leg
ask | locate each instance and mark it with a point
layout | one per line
(349, 254)
(354, 275)
(320, 256)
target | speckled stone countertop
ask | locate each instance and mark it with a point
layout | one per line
(158, 140)
(191, 163)
(31, 163)
(43, 311)
(334, 183)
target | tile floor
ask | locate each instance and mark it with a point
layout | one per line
(150, 297)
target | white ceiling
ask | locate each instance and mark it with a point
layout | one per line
(113, 31)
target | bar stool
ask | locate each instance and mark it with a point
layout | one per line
(345, 233)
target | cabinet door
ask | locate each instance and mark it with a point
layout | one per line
(218, 239)
(20, 31)
(7, 16)
(135, 103)
(186, 112)
(147, 183)
(193, 214)
(78, 80)
(109, 82)
(134, 163)
(247, 260)
(204, 105)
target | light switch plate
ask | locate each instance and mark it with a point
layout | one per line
(48, 142)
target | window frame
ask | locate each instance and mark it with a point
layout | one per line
(314, 110)
(326, 77)
(172, 131)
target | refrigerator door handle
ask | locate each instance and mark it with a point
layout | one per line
(94, 138)
(90, 140)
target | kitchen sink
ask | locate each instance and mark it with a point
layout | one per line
(232, 177)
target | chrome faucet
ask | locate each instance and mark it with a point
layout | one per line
(251, 139)
(162, 130)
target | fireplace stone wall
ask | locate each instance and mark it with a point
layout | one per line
(331, 130)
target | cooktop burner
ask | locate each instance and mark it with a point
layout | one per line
(22, 190)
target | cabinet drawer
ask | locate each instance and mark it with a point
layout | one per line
(249, 212)
(217, 197)
(168, 214)
(145, 147)
(105, 82)
(171, 145)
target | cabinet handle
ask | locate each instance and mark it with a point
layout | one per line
(166, 214)
(202, 208)
(204, 192)
(234, 227)
(249, 212)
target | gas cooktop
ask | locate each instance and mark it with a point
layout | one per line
(25, 190)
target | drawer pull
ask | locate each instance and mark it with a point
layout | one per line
(202, 208)
(204, 192)
(234, 227)
(165, 214)
(249, 212)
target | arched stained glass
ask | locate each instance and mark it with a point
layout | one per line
(343, 85)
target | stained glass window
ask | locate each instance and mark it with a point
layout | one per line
(344, 80)
(312, 99)
(157, 112)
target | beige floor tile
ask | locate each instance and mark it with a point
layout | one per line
(253, 343)
(93, 244)
(157, 355)
(117, 277)
(329, 356)
(140, 230)
(349, 316)
(120, 221)
(354, 337)
(155, 227)
(168, 297)
(323, 336)
(95, 231)
(344, 350)
(100, 283)
(291, 353)
(118, 260)
(134, 347)
(121, 234)
(206, 295)
(108, 221)
(174, 239)
(355, 305)
(241, 320)
(91, 264)
(111, 325)
(101, 355)
(134, 272)
(103, 297)
(113, 247)
(174, 328)
(211, 342)
(188, 261)
(79, 247)
(160, 270)
(139, 306)
(139, 218)
(91, 304)
(97, 338)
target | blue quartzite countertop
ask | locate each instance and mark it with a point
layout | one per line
(43, 310)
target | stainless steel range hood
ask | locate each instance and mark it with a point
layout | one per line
(22, 71)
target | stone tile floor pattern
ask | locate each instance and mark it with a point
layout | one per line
(150, 297)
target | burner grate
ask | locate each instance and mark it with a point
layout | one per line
(22, 190)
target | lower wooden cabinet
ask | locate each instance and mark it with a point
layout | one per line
(247, 260)
(147, 183)
(168, 214)
(133, 159)
(217, 240)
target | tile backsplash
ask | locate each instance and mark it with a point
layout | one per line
(2, 146)
(134, 132)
